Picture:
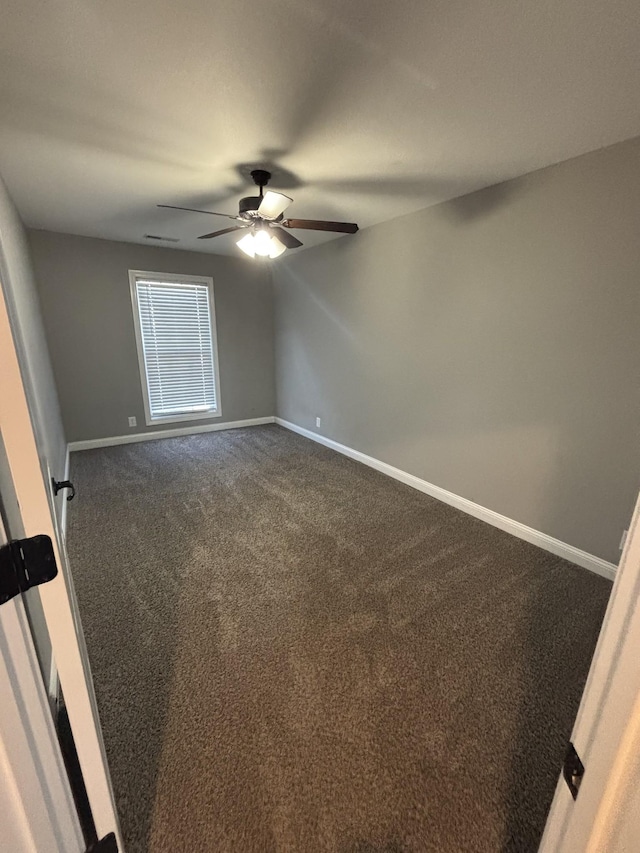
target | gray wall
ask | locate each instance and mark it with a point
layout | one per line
(490, 345)
(84, 288)
(21, 297)
(25, 314)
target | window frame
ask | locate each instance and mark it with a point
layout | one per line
(134, 275)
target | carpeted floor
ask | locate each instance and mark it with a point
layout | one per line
(293, 652)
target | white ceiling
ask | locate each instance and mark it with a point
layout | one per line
(364, 109)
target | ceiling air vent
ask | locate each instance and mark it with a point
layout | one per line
(161, 239)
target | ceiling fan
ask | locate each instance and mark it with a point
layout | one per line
(263, 215)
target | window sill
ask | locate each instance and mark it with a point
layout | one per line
(188, 416)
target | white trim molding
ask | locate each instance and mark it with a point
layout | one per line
(91, 443)
(63, 511)
(54, 681)
(516, 528)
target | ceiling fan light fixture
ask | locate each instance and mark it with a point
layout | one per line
(273, 204)
(261, 243)
(246, 244)
(277, 247)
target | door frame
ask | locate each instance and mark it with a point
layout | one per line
(58, 598)
(36, 801)
(606, 733)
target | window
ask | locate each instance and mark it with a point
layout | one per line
(176, 336)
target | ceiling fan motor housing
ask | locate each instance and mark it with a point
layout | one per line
(248, 206)
(248, 209)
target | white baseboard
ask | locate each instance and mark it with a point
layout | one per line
(165, 433)
(535, 537)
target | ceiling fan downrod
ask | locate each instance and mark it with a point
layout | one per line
(261, 178)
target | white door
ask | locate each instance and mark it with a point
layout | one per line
(52, 611)
(605, 816)
(36, 803)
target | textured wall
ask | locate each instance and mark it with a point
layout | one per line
(84, 288)
(488, 345)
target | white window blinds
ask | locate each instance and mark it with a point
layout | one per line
(174, 326)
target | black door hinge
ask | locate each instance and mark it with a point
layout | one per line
(108, 844)
(25, 563)
(572, 770)
(58, 485)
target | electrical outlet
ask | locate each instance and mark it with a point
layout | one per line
(318, 422)
(133, 422)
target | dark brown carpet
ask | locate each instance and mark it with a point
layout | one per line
(292, 652)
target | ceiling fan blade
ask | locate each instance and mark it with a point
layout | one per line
(289, 240)
(219, 233)
(321, 225)
(273, 204)
(194, 210)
